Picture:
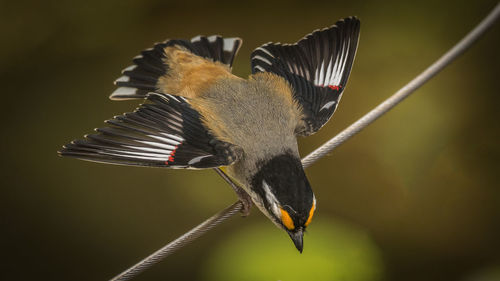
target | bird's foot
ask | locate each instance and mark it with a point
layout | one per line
(245, 200)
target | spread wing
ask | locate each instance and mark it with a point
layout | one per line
(150, 65)
(164, 133)
(317, 68)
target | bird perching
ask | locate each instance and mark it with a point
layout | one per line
(199, 115)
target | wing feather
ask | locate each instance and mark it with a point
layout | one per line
(164, 133)
(317, 67)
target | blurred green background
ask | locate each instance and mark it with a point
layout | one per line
(413, 197)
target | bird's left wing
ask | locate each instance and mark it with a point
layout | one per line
(316, 67)
(165, 133)
(152, 65)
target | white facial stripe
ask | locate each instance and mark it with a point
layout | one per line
(269, 195)
(276, 210)
(271, 199)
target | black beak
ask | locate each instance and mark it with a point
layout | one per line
(297, 238)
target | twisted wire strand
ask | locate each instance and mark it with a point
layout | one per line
(180, 242)
(324, 149)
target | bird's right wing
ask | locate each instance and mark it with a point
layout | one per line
(165, 133)
(316, 67)
(152, 64)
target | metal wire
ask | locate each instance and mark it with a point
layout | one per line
(324, 149)
(179, 242)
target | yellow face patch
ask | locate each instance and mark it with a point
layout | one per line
(311, 213)
(286, 220)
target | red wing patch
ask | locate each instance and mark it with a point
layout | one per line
(172, 155)
(335, 87)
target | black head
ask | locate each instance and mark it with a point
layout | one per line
(286, 195)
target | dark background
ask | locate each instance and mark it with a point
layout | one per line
(415, 196)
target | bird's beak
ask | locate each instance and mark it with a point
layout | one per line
(297, 238)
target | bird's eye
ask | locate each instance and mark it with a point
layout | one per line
(286, 220)
(311, 213)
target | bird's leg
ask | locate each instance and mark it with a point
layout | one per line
(243, 196)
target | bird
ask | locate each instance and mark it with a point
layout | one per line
(198, 115)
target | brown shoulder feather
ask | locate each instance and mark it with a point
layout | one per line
(189, 75)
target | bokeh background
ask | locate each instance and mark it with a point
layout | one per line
(413, 197)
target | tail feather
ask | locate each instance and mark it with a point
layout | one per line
(142, 77)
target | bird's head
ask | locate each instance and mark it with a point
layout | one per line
(285, 195)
